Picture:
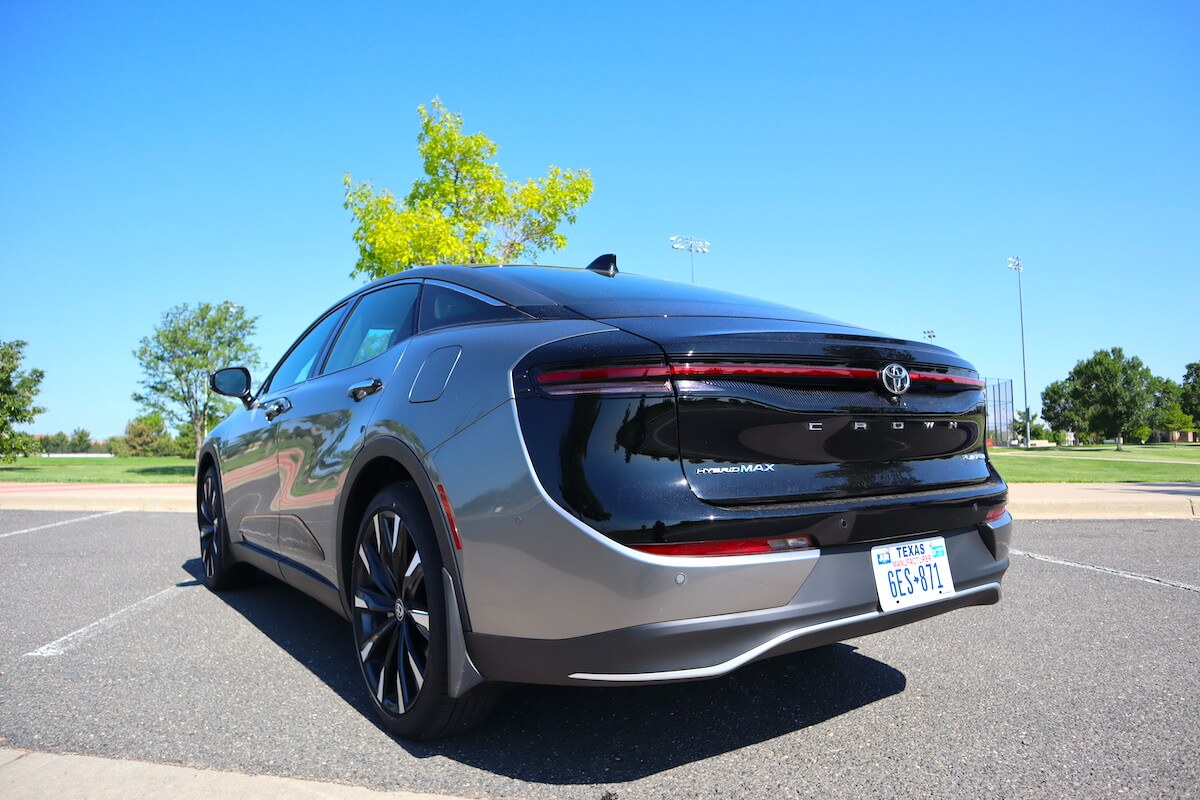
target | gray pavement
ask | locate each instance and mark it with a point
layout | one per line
(1078, 684)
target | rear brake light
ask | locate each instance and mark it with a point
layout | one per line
(655, 379)
(733, 547)
(996, 513)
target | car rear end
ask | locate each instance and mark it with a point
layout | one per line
(839, 472)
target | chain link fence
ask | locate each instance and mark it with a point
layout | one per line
(1000, 413)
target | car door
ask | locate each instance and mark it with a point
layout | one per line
(319, 434)
(259, 522)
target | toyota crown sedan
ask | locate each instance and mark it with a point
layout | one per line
(586, 477)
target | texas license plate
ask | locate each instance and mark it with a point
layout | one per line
(911, 573)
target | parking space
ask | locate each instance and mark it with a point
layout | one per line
(1079, 683)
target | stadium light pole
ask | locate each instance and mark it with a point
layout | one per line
(1014, 263)
(693, 245)
(930, 335)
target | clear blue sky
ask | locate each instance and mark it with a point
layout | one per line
(873, 162)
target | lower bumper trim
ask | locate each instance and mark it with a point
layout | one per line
(832, 630)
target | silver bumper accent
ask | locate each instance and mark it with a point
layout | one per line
(725, 667)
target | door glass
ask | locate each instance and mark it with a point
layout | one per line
(299, 365)
(380, 321)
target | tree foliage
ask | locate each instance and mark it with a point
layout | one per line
(464, 210)
(80, 441)
(1189, 395)
(1061, 409)
(18, 388)
(1114, 395)
(176, 359)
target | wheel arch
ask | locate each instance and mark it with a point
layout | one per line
(382, 461)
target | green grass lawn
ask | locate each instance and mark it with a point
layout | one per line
(1100, 464)
(151, 469)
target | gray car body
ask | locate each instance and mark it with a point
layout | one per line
(527, 571)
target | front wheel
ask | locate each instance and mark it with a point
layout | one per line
(220, 569)
(399, 617)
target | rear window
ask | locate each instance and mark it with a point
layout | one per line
(442, 306)
(597, 295)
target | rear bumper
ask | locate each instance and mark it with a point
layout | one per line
(837, 601)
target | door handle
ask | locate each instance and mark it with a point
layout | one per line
(358, 391)
(277, 407)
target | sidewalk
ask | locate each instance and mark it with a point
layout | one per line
(98, 496)
(1025, 500)
(49, 776)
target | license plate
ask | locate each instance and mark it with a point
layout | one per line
(911, 573)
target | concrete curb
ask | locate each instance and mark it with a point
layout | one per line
(49, 776)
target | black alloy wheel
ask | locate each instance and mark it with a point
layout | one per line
(398, 610)
(391, 610)
(220, 570)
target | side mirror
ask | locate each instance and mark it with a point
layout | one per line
(232, 382)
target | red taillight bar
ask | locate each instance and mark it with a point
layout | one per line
(737, 370)
(938, 377)
(732, 547)
(996, 513)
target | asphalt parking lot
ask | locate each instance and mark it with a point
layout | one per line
(1082, 682)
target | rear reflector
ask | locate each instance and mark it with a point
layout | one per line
(733, 547)
(441, 492)
(996, 513)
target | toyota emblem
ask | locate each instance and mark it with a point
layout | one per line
(895, 378)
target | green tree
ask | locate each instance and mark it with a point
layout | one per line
(1061, 411)
(464, 210)
(56, 443)
(1189, 395)
(188, 344)
(1174, 419)
(1118, 393)
(80, 442)
(145, 435)
(18, 388)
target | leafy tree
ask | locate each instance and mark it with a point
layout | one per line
(80, 442)
(18, 388)
(1174, 419)
(464, 210)
(1061, 409)
(1036, 429)
(1189, 395)
(145, 435)
(55, 443)
(177, 358)
(1118, 393)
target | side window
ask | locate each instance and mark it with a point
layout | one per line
(381, 320)
(300, 364)
(442, 306)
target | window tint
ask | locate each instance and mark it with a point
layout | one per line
(381, 320)
(300, 364)
(442, 306)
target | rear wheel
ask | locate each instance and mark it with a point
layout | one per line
(399, 617)
(220, 569)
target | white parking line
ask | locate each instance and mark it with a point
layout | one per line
(1108, 571)
(76, 638)
(56, 524)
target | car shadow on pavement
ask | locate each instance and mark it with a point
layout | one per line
(588, 735)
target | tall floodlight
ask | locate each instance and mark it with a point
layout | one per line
(693, 245)
(1014, 263)
(930, 335)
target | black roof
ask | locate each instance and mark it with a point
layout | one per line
(601, 295)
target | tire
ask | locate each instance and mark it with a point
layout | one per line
(221, 571)
(398, 610)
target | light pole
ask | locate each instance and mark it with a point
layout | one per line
(930, 335)
(693, 245)
(1014, 263)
